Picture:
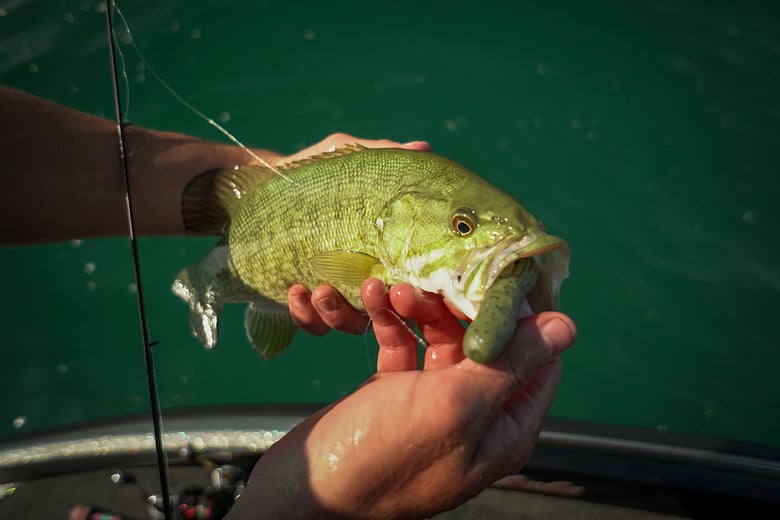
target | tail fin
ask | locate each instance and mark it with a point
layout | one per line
(204, 310)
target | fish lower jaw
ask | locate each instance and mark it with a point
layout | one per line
(443, 282)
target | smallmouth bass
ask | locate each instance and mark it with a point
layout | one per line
(340, 218)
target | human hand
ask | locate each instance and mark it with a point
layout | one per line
(410, 443)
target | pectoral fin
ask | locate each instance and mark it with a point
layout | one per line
(270, 332)
(345, 267)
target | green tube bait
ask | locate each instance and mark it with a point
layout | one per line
(494, 324)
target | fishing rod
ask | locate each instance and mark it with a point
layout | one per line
(162, 462)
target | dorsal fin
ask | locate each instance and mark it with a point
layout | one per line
(211, 198)
(347, 150)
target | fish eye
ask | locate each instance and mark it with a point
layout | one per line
(463, 222)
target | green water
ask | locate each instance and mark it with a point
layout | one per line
(645, 133)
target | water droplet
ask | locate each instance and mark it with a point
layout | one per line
(68, 17)
(2, 12)
(33, 68)
(542, 69)
(749, 217)
(662, 429)
(453, 125)
(84, 6)
(195, 33)
(309, 34)
(76, 243)
(90, 285)
(174, 25)
(592, 136)
(61, 369)
(132, 288)
(100, 7)
(90, 267)
(419, 78)
(125, 38)
(224, 117)
(139, 77)
(72, 88)
(19, 422)
(709, 413)
(576, 123)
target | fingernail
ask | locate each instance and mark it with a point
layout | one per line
(299, 300)
(418, 145)
(557, 334)
(326, 304)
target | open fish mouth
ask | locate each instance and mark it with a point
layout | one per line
(550, 255)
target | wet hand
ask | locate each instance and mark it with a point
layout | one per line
(410, 443)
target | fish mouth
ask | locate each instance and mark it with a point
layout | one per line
(550, 255)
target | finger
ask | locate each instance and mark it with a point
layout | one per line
(441, 330)
(456, 312)
(303, 313)
(336, 311)
(397, 345)
(421, 146)
(536, 340)
(530, 404)
(509, 440)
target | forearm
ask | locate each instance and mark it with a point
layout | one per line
(61, 173)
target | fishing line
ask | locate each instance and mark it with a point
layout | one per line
(162, 462)
(223, 130)
(125, 80)
(180, 99)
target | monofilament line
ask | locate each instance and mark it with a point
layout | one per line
(180, 99)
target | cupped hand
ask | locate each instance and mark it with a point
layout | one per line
(410, 443)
